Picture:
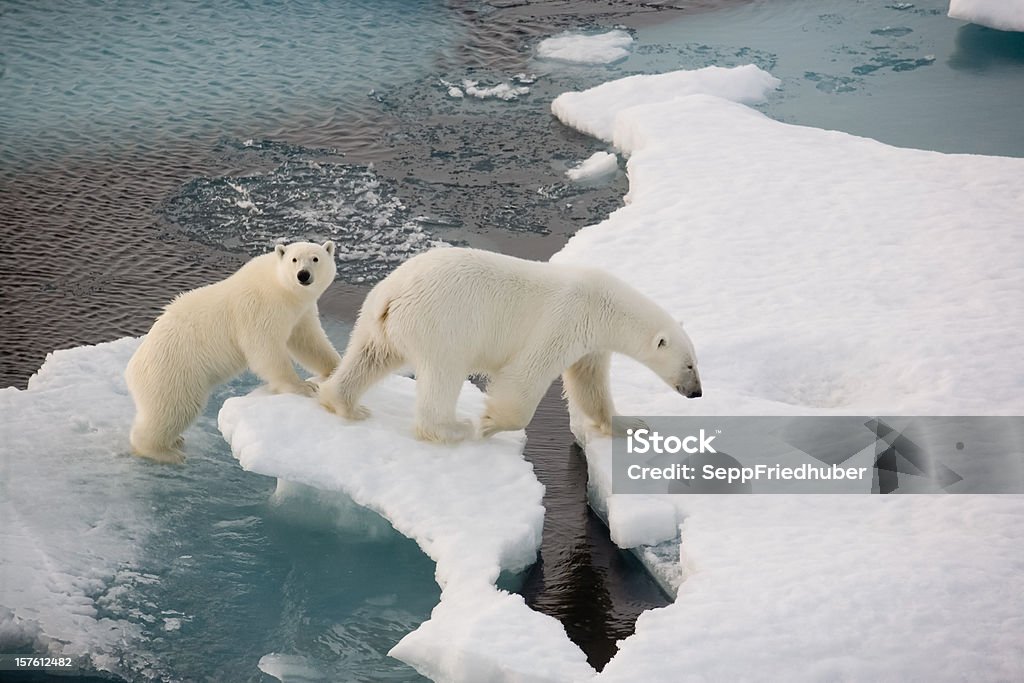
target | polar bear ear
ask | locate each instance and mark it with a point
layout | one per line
(279, 250)
(329, 247)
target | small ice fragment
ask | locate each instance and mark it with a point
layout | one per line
(595, 166)
(578, 48)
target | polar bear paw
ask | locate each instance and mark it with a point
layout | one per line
(620, 426)
(345, 410)
(449, 432)
(307, 388)
(491, 425)
(169, 456)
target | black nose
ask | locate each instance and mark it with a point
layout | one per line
(694, 394)
(304, 277)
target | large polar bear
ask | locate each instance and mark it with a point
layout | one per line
(455, 312)
(260, 318)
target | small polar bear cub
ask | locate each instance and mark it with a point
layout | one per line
(453, 312)
(261, 317)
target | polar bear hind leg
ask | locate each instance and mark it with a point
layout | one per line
(437, 392)
(366, 361)
(157, 434)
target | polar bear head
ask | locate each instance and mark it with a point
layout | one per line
(306, 268)
(670, 354)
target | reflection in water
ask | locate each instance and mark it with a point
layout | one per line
(979, 48)
(582, 579)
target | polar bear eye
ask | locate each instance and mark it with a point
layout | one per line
(662, 343)
(295, 260)
(316, 260)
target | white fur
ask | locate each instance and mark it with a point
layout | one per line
(455, 312)
(259, 318)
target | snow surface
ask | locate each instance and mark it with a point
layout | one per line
(596, 165)
(475, 509)
(66, 570)
(818, 273)
(579, 48)
(1005, 15)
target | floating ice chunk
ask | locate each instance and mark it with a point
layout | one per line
(510, 90)
(819, 273)
(291, 668)
(1005, 15)
(595, 166)
(603, 103)
(474, 508)
(579, 48)
(502, 91)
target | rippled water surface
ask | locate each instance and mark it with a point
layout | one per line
(83, 77)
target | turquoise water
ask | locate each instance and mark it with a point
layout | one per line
(902, 73)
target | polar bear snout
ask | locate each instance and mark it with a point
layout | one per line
(689, 391)
(689, 383)
(305, 278)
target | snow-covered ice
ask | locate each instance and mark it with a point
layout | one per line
(580, 48)
(746, 84)
(597, 165)
(475, 509)
(70, 537)
(818, 273)
(1005, 15)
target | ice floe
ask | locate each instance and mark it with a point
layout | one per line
(475, 509)
(818, 273)
(581, 48)
(1005, 15)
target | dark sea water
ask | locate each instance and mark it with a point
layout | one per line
(144, 152)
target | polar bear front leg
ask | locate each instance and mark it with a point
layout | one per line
(310, 346)
(437, 392)
(513, 396)
(587, 387)
(273, 364)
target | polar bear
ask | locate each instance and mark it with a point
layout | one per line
(261, 317)
(453, 312)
